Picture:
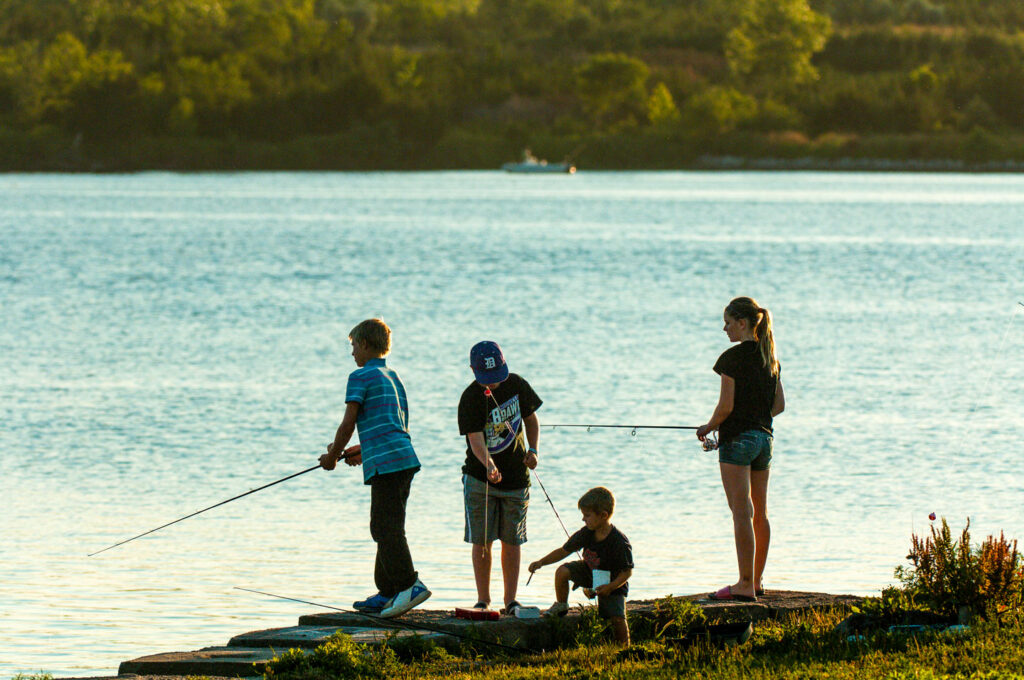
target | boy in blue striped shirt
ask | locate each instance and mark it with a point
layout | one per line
(376, 404)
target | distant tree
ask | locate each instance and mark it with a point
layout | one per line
(206, 92)
(661, 107)
(718, 110)
(613, 88)
(36, 19)
(771, 49)
(53, 84)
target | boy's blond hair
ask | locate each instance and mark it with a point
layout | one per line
(598, 499)
(373, 334)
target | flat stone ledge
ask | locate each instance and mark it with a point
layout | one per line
(526, 634)
(246, 655)
(229, 662)
(772, 605)
(310, 637)
(133, 676)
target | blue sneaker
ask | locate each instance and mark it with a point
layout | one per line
(405, 600)
(371, 605)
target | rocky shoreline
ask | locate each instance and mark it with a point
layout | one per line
(245, 655)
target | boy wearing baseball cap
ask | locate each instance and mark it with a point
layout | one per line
(498, 416)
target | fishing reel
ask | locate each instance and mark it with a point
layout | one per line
(710, 443)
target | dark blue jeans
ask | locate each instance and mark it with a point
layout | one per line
(393, 571)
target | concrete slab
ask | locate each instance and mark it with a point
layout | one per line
(247, 654)
(546, 634)
(310, 637)
(533, 634)
(772, 605)
(231, 662)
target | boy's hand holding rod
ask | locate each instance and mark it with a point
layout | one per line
(353, 455)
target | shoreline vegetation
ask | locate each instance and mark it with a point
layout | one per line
(803, 646)
(957, 613)
(972, 152)
(107, 86)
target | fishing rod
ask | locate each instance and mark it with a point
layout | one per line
(624, 427)
(557, 516)
(397, 623)
(216, 505)
(519, 435)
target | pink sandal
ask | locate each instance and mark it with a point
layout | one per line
(727, 594)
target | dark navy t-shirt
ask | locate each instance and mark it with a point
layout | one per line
(500, 418)
(754, 394)
(613, 554)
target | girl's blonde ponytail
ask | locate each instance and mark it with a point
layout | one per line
(760, 320)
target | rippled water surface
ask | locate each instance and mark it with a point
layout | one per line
(169, 341)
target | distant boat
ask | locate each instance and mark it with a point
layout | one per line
(531, 163)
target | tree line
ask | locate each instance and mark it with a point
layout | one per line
(469, 83)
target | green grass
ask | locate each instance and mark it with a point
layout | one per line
(803, 646)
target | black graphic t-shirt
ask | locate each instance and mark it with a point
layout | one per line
(754, 393)
(613, 554)
(500, 418)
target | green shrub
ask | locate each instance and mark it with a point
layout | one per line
(671, 617)
(948, 574)
(416, 648)
(338, 657)
(592, 628)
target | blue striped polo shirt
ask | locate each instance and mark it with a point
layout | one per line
(383, 420)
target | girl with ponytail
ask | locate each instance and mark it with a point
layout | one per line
(751, 396)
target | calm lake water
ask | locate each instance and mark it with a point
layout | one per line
(169, 341)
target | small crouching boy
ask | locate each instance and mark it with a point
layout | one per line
(376, 404)
(607, 559)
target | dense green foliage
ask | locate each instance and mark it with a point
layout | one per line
(469, 83)
(805, 646)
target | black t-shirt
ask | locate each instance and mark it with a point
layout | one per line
(613, 554)
(511, 401)
(755, 390)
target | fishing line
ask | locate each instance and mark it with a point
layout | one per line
(520, 436)
(397, 623)
(216, 505)
(634, 428)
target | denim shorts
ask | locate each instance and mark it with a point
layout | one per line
(753, 448)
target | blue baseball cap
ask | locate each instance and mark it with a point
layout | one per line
(488, 363)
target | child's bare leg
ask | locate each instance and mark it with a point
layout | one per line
(621, 629)
(562, 584)
(482, 572)
(510, 559)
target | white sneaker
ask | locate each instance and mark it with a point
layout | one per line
(557, 609)
(405, 600)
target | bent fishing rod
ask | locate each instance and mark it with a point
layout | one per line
(397, 623)
(624, 427)
(217, 505)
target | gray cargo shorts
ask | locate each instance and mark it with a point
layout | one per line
(505, 509)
